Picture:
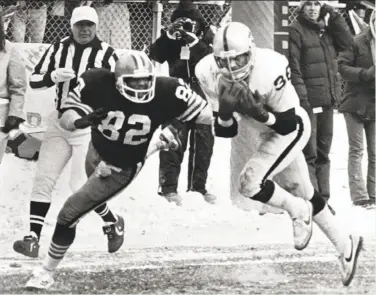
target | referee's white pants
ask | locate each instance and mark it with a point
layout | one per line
(58, 147)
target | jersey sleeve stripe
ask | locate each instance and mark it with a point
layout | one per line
(193, 110)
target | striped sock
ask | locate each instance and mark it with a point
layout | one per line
(38, 212)
(62, 238)
(106, 214)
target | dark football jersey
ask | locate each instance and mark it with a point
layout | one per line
(123, 137)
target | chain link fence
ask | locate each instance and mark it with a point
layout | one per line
(123, 24)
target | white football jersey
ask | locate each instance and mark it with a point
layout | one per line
(270, 75)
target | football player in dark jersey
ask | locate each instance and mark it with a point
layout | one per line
(124, 109)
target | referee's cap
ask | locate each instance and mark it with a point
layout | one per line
(84, 13)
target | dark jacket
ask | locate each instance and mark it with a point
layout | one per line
(359, 96)
(313, 58)
(166, 49)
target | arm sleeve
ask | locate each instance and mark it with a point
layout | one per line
(340, 31)
(160, 49)
(346, 68)
(16, 84)
(186, 105)
(295, 47)
(41, 76)
(80, 99)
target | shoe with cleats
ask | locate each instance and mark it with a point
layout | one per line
(115, 234)
(28, 246)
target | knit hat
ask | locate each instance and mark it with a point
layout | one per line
(186, 8)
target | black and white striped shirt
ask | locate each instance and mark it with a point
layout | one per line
(68, 54)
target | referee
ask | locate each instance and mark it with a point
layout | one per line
(61, 65)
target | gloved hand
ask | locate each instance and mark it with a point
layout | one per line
(62, 75)
(12, 122)
(91, 119)
(188, 37)
(325, 9)
(169, 139)
(174, 29)
(367, 75)
(229, 93)
(252, 104)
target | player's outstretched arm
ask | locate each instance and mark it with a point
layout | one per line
(71, 120)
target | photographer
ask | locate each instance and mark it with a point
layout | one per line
(182, 47)
(314, 40)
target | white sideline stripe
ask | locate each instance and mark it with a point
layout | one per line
(6, 269)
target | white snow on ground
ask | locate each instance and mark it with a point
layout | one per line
(152, 221)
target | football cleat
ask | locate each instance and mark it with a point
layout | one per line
(115, 234)
(302, 228)
(41, 279)
(29, 246)
(348, 264)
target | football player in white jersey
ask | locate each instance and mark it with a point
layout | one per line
(255, 82)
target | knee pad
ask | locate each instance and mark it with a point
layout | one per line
(266, 192)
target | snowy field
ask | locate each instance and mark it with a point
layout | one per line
(174, 241)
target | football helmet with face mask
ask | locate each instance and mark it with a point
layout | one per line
(233, 49)
(135, 76)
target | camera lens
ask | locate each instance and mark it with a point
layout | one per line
(187, 26)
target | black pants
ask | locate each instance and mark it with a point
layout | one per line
(201, 140)
(317, 151)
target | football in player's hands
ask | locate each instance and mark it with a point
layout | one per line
(252, 104)
(170, 138)
(92, 119)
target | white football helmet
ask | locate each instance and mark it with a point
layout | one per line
(135, 76)
(233, 49)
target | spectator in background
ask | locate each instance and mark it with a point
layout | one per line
(180, 45)
(29, 21)
(314, 40)
(357, 67)
(12, 88)
(61, 65)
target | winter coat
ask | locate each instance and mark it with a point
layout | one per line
(12, 79)
(359, 96)
(313, 58)
(166, 49)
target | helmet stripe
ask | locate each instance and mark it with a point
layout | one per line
(140, 64)
(135, 60)
(225, 42)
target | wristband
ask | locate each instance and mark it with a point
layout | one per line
(271, 119)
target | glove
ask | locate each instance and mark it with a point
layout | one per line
(188, 37)
(62, 75)
(325, 9)
(12, 122)
(367, 75)
(285, 122)
(174, 30)
(251, 104)
(228, 95)
(169, 139)
(307, 107)
(91, 119)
